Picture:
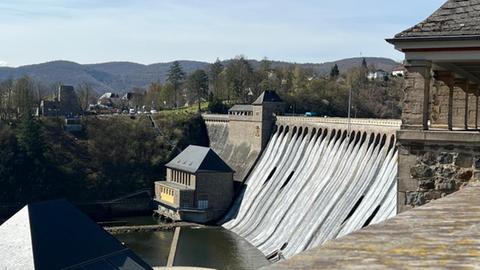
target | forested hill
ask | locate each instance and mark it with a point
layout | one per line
(123, 76)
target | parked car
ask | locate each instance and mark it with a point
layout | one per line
(311, 114)
(132, 111)
(153, 111)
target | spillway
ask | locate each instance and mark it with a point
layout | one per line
(315, 184)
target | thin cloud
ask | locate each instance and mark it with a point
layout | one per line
(148, 31)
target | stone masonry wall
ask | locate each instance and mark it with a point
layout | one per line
(439, 106)
(430, 172)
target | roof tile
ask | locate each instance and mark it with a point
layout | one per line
(454, 18)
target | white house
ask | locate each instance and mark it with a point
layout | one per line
(398, 71)
(377, 75)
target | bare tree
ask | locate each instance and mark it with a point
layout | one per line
(86, 95)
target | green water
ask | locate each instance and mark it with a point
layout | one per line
(210, 247)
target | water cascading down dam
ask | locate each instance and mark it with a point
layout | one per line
(315, 181)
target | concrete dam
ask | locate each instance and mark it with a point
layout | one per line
(317, 179)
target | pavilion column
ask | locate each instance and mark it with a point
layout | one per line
(476, 110)
(466, 107)
(416, 111)
(465, 86)
(448, 78)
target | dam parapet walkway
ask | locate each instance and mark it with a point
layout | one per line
(440, 235)
(215, 117)
(385, 126)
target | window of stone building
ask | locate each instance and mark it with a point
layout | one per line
(203, 204)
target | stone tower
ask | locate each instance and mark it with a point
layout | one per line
(68, 100)
(251, 125)
(265, 107)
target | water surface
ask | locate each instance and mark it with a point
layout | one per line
(210, 247)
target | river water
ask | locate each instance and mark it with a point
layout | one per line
(210, 247)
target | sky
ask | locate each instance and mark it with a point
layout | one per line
(152, 31)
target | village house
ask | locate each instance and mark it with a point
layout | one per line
(198, 186)
(399, 71)
(109, 99)
(377, 75)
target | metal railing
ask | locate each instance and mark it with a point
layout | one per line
(339, 121)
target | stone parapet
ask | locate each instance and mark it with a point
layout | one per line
(440, 137)
(433, 164)
(444, 234)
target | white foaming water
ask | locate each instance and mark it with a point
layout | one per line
(312, 186)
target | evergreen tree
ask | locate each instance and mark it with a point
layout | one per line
(197, 84)
(29, 136)
(37, 175)
(364, 63)
(364, 71)
(334, 72)
(265, 65)
(239, 78)
(176, 76)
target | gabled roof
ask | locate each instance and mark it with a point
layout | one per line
(55, 235)
(454, 19)
(109, 95)
(267, 96)
(198, 159)
(241, 108)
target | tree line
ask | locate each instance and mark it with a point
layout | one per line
(237, 82)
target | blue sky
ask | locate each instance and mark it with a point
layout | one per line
(151, 31)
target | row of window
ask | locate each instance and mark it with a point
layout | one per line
(167, 191)
(202, 204)
(248, 113)
(181, 178)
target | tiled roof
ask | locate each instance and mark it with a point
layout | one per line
(241, 108)
(455, 18)
(198, 159)
(55, 235)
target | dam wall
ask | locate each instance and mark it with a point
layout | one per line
(317, 179)
(237, 145)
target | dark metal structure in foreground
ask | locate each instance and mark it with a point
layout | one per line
(55, 235)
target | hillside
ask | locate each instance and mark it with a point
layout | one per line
(123, 76)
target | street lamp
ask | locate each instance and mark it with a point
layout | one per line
(349, 112)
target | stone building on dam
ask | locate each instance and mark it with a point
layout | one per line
(198, 186)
